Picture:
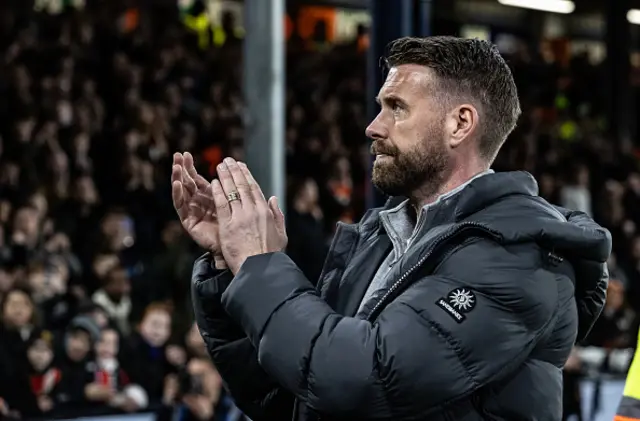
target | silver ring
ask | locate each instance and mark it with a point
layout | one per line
(234, 195)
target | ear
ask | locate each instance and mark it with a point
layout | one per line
(461, 124)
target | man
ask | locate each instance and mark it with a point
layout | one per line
(459, 300)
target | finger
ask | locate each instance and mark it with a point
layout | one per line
(188, 182)
(201, 182)
(223, 209)
(177, 194)
(178, 159)
(228, 186)
(277, 213)
(242, 186)
(256, 191)
(219, 262)
(177, 163)
(176, 173)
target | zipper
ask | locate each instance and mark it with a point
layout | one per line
(460, 228)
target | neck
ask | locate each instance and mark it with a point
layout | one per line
(429, 194)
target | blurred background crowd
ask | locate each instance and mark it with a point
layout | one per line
(95, 97)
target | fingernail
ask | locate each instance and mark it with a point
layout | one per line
(242, 164)
(229, 161)
(222, 167)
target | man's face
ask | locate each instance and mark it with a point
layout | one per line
(408, 134)
(118, 285)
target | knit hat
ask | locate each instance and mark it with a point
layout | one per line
(85, 324)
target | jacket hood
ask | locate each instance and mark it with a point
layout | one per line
(508, 203)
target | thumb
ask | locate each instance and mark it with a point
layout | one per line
(277, 212)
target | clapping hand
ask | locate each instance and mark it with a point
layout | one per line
(249, 225)
(193, 201)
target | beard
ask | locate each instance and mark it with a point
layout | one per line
(402, 173)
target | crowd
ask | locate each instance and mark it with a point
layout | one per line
(94, 267)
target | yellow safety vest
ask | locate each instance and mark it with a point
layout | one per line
(629, 408)
(201, 24)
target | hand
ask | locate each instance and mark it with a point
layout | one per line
(199, 405)
(128, 405)
(98, 392)
(171, 389)
(251, 225)
(193, 201)
(176, 356)
(19, 238)
(4, 408)
(45, 403)
(58, 243)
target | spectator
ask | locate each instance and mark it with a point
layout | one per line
(305, 225)
(575, 194)
(148, 358)
(571, 390)
(114, 298)
(16, 332)
(126, 396)
(44, 377)
(616, 323)
(202, 385)
(77, 390)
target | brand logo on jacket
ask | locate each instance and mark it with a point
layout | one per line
(457, 303)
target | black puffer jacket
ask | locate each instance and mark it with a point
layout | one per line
(477, 324)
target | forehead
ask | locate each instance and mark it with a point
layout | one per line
(407, 79)
(109, 334)
(157, 316)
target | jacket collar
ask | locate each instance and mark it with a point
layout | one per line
(481, 192)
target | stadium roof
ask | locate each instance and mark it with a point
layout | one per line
(582, 6)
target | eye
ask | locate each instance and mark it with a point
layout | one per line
(396, 107)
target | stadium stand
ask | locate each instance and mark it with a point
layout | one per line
(94, 304)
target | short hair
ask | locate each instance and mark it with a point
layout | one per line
(469, 69)
(157, 306)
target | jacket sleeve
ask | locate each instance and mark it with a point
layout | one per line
(235, 358)
(415, 358)
(590, 296)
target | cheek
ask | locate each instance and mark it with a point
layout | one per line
(406, 135)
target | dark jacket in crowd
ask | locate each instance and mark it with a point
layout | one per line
(477, 322)
(146, 366)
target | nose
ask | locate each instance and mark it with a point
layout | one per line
(376, 129)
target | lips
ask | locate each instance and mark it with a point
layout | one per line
(376, 151)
